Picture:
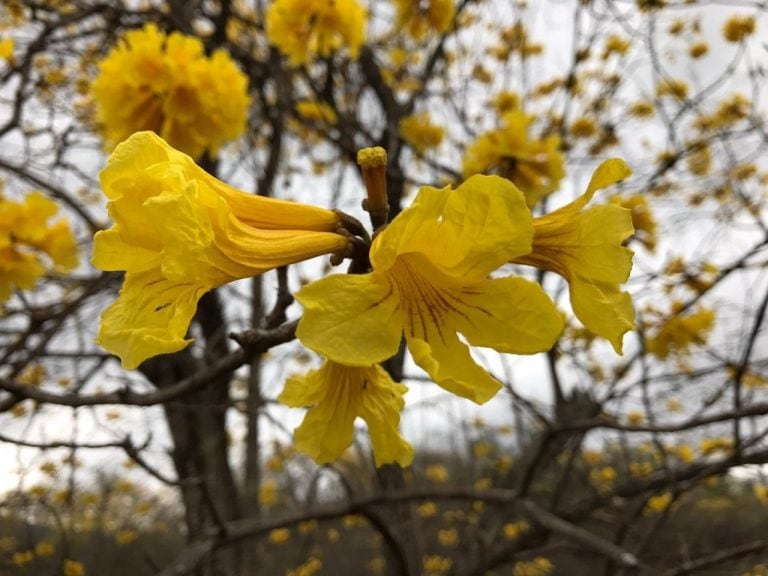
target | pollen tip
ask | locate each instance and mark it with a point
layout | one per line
(372, 157)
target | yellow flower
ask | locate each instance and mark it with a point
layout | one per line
(426, 510)
(641, 109)
(6, 48)
(303, 29)
(436, 565)
(616, 44)
(317, 112)
(512, 530)
(506, 101)
(44, 549)
(584, 246)
(73, 568)
(737, 27)
(672, 87)
(635, 418)
(279, 535)
(436, 473)
(125, 537)
(684, 452)
(539, 566)
(698, 49)
(419, 131)
(333, 535)
(583, 128)
(30, 246)
(603, 479)
(679, 333)
(448, 538)
(337, 395)
(761, 493)
(658, 504)
(710, 446)
(268, 493)
(420, 18)
(534, 166)
(178, 233)
(168, 85)
(430, 280)
(308, 568)
(23, 558)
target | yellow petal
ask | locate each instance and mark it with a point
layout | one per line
(449, 363)
(609, 172)
(382, 402)
(150, 317)
(510, 315)
(112, 253)
(603, 309)
(349, 319)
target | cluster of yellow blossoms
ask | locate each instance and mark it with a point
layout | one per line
(30, 246)
(179, 232)
(418, 19)
(167, 84)
(420, 132)
(305, 29)
(534, 166)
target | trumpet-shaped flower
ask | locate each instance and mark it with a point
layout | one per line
(337, 395)
(534, 166)
(430, 281)
(302, 29)
(584, 246)
(179, 232)
(30, 245)
(168, 85)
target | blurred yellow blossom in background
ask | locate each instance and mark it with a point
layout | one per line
(167, 84)
(305, 29)
(420, 132)
(30, 244)
(419, 19)
(534, 166)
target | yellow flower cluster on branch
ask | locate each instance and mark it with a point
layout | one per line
(419, 19)
(739, 27)
(167, 84)
(319, 112)
(306, 29)
(179, 232)
(31, 245)
(6, 48)
(420, 132)
(534, 166)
